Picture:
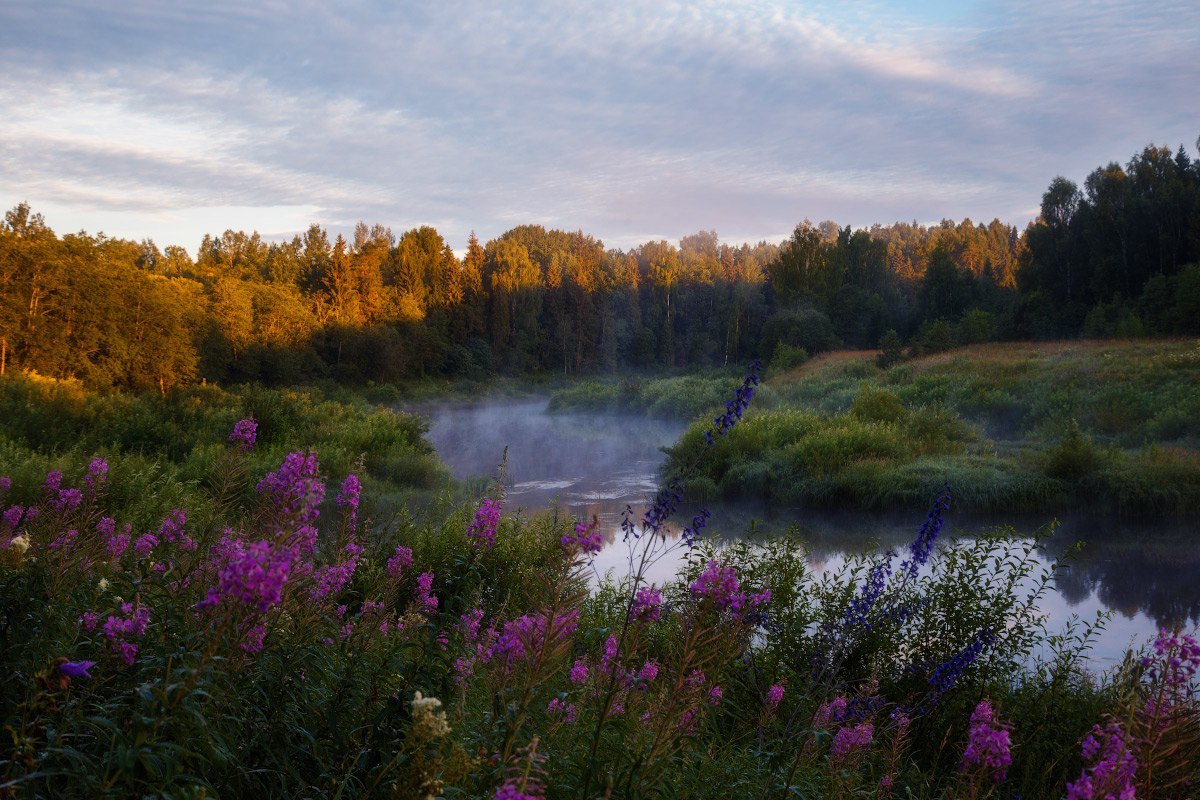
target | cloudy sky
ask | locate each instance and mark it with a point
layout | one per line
(629, 120)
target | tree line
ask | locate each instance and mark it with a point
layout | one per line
(1117, 258)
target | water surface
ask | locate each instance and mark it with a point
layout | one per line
(1147, 574)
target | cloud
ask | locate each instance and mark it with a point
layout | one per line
(620, 120)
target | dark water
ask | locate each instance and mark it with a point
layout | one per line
(1147, 574)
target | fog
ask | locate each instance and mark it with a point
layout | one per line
(1148, 574)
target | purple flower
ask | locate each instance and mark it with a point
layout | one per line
(145, 544)
(524, 636)
(850, 740)
(483, 528)
(989, 747)
(948, 672)
(647, 605)
(718, 584)
(774, 696)
(579, 672)
(515, 789)
(1112, 770)
(253, 574)
(738, 405)
(922, 546)
(52, 482)
(67, 500)
(89, 621)
(715, 695)
(77, 669)
(401, 560)
(348, 498)
(118, 543)
(586, 539)
(294, 489)
(12, 517)
(331, 579)
(244, 434)
(96, 474)
(130, 625)
(425, 597)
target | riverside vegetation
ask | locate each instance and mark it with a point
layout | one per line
(185, 611)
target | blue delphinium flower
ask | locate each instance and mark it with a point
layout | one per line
(77, 669)
(922, 546)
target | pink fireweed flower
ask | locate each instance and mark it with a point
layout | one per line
(295, 489)
(579, 672)
(774, 696)
(145, 544)
(348, 498)
(469, 625)
(850, 740)
(586, 539)
(252, 574)
(696, 678)
(524, 636)
(118, 543)
(401, 560)
(715, 695)
(130, 625)
(718, 584)
(832, 712)
(89, 621)
(244, 434)
(12, 517)
(516, 789)
(52, 483)
(332, 578)
(64, 540)
(67, 500)
(96, 474)
(1113, 769)
(989, 748)
(107, 526)
(647, 605)
(482, 531)
(426, 599)
(648, 672)
(557, 709)
(252, 642)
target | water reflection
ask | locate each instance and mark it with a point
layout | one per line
(598, 464)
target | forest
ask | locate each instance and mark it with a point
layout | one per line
(1119, 257)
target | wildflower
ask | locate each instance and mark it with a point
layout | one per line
(64, 540)
(692, 533)
(332, 578)
(988, 745)
(428, 722)
(560, 710)
(666, 501)
(774, 696)
(948, 672)
(5, 483)
(253, 574)
(716, 583)
(118, 543)
(77, 669)
(102, 585)
(425, 597)
(922, 546)
(244, 434)
(850, 740)
(52, 483)
(515, 789)
(738, 405)
(401, 560)
(1113, 766)
(715, 695)
(131, 624)
(89, 621)
(253, 640)
(833, 711)
(348, 498)
(586, 539)
(145, 544)
(294, 489)
(647, 605)
(648, 672)
(19, 544)
(12, 517)
(97, 472)
(579, 672)
(482, 530)
(526, 635)
(171, 530)
(860, 607)
(67, 500)
(469, 624)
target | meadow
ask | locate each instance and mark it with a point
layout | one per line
(1108, 426)
(216, 594)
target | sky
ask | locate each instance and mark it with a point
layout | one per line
(632, 121)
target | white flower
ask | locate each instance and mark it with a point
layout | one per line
(19, 544)
(103, 585)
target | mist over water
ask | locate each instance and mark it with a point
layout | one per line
(600, 464)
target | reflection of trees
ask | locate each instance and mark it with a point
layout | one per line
(1155, 571)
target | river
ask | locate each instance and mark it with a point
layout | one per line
(1146, 574)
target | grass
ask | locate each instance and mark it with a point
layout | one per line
(1020, 427)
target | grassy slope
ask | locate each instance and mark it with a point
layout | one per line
(1007, 426)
